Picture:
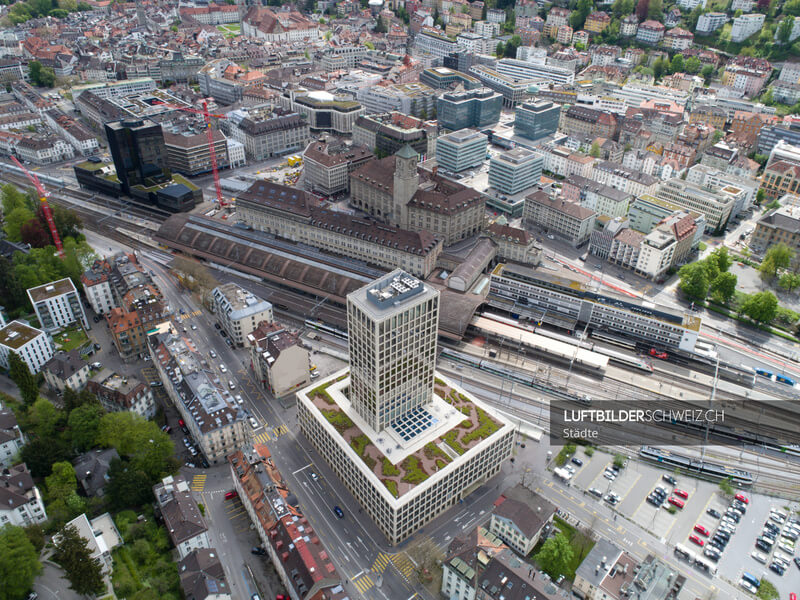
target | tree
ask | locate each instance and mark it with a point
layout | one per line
(85, 574)
(761, 307)
(41, 75)
(61, 482)
(380, 26)
(84, 422)
(594, 151)
(500, 49)
(578, 16)
(725, 487)
(785, 30)
(510, 50)
(767, 591)
(555, 555)
(15, 221)
(777, 257)
(34, 234)
(706, 73)
(692, 65)
(40, 454)
(789, 281)
(694, 281)
(676, 66)
(723, 288)
(760, 195)
(127, 486)
(148, 448)
(21, 375)
(655, 10)
(721, 258)
(658, 68)
(19, 563)
(44, 417)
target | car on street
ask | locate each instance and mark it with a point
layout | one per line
(231, 384)
(204, 462)
(696, 540)
(97, 346)
(194, 327)
(681, 493)
(701, 530)
(223, 368)
(713, 513)
(258, 550)
(231, 494)
(338, 512)
(313, 475)
(212, 354)
(596, 492)
(217, 326)
(253, 422)
(156, 384)
(239, 399)
(314, 374)
(577, 461)
(97, 365)
(166, 429)
(612, 498)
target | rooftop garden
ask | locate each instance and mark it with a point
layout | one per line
(415, 468)
(92, 166)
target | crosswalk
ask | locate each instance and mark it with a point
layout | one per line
(403, 564)
(198, 482)
(185, 316)
(270, 433)
(380, 564)
(363, 582)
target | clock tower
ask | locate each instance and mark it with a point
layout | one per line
(406, 182)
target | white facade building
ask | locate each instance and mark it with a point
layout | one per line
(20, 501)
(690, 5)
(102, 535)
(34, 346)
(57, 304)
(238, 311)
(746, 25)
(743, 5)
(236, 153)
(710, 22)
(521, 69)
(11, 438)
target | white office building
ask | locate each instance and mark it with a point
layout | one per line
(461, 150)
(34, 346)
(522, 69)
(57, 305)
(516, 170)
(407, 443)
(238, 311)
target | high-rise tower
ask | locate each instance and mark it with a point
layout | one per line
(392, 326)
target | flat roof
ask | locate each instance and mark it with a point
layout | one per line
(52, 289)
(16, 334)
(390, 293)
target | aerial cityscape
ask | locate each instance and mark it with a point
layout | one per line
(400, 300)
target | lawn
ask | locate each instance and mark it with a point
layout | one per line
(581, 546)
(230, 30)
(72, 337)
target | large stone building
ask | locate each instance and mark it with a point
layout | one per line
(390, 407)
(394, 190)
(238, 311)
(779, 225)
(556, 216)
(780, 178)
(515, 170)
(329, 162)
(273, 136)
(188, 151)
(388, 133)
(323, 111)
(580, 121)
(715, 205)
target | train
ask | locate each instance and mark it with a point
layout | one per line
(697, 467)
(767, 374)
(325, 328)
(740, 436)
(613, 355)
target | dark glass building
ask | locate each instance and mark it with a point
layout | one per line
(535, 120)
(472, 108)
(140, 156)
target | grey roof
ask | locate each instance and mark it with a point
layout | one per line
(526, 509)
(9, 430)
(91, 469)
(65, 364)
(202, 574)
(589, 570)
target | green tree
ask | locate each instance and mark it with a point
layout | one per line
(15, 221)
(723, 287)
(721, 258)
(778, 256)
(785, 30)
(658, 68)
(23, 378)
(578, 16)
(127, 485)
(694, 281)
(555, 555)
(655, 10)
(594, 151)
(676, 66)
(380, 26)
(789, 281)
(61, 482)
(14, 198)
(707, 72)
(725, 487)
(44, 417)
(692, 65)
(72, 552)
(19, 563)
(767, 591)
(148, 448)
(510, 50)
(622, 8)
(760, 195)
(84, 423)
(761, 307)
(40, 454)
(500, 50)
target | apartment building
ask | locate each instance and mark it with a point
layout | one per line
(279, 359)
(342, 57)
(238, 311)
(34, 346)
(771, 135)
(388, 133)
(101, 535)
(211, 415)
(127, 333)
(747, 74)
(629, 26)
(536, 120)
(66, 370)
(11, 438)
(709, 22)
(650, 33)
(57, 305)
(518, 518)
(678, 39)
(515, 170)
(746, 25)
(21, 502)
(709, 115)
(580, 122)
(624, 248)
(776, 226)
(715, 205)
(119, 393)
(203, 576)
(461, 150)
(183, 520)
(556, 17)
(97, 287)
(389, 395)
(629, 181)
(329, 162)
(602, 199)
(536, 293)
(556, 216)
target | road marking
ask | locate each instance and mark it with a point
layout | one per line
(403, 564)
(301, 469)
(363, 583)
(263, 437)
(198, 483)
(380, 563)
(357, 574)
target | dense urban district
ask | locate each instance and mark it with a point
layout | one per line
(400, 299)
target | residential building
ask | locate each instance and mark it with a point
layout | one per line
(34, 346)
(202, 575)
(650, 33)
(521, 69)
(436, 44)
(21, 502)
(746, 126)
(342, 57)
(514, 244)
(656, 253)
(57, 305)
(716, 206)
(777, 225)
(11, 438)
(123, 392)
(185, 524)
(579, 121)
(746, 25)
(629, 26)
(473, 108)
(629, 181)
(66, 370)
(515, 170)
(677, 39)
(239, 311)
(568, 220)
(709, 22)
(518, 518)
(486, 29)
(101, 535)
(690, 5)
(648, 211)
(214, 420)
(567, 299)
(97, 287)
(461, 150)
(625, 248)
(562, 161)
(709, 115)
(597, 22)
(392, 393)
(279, 359)
(780, 178)
(556, 17)
(328, 164)
(536, 120)
(388, 133)
(323, 110)
(564, 35)
(742, 5)
(127, 333)
(275, 135)
(790, 71)
(602, 199)
(747, 74)
(91, 470)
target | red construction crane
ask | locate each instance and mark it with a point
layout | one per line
(212, 151)
(48, 214)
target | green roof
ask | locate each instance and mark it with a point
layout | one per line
(406, 152)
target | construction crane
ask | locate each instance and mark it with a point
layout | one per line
(48, 214)
(211, 150)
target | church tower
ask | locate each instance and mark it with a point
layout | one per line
(406, 182)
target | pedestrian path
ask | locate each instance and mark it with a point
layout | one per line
(199, 482)
(363, 582)
(380, 564)
(403, 564)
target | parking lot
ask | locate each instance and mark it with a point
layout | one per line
(626, 492)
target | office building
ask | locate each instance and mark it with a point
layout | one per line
(66, 370)
(746, 25)
(188, 151)
(276, 134)
(568, 220)
(183, 520)
(21, 502)
(119, 393)
(474, 108)
(11, 438)
(215, 422)
(712, 179)
(648, 211)
(323, 111)
(562, 300)
(536, 120)
(388, 407)
(629, 181)
(414, 99)
(139, 152)
(238, 311)
(515, 89)
(387, 133)
(715, 205)
(602, 199)
(770, 135)
(329, 162)
(57, 305)
(515, 170)
(542, 72)
(461, 150)
(438, 45)
(279, 359)
(34, 346)
(442, 78)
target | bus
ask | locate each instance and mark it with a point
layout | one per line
(705, 565)
(683, 552)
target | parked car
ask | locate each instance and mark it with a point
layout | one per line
(696, 540)
(239, 399)
(258, 550)
(777, 568)
(676, 502)
(742, 498)
(577, 461)
(713, 513)
(669, 479)
(701, 530)
(681, 493)
(212, 354)
(759, 557)
(231, 494)
(595, 492)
